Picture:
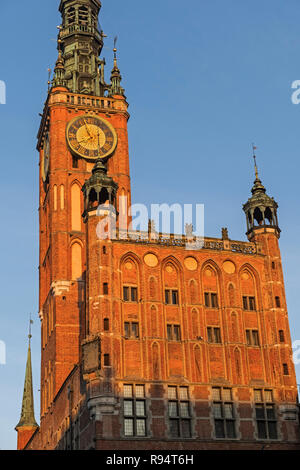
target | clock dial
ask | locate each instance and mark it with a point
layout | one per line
(46, 157)
(91, 137)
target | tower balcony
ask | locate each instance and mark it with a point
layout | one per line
(80, 29)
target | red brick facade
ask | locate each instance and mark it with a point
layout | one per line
(177, 369)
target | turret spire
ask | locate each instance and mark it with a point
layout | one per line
(116, 77)
(260, 209)
(27, 414)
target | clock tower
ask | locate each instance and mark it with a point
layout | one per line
(147, 343)
(84, 119)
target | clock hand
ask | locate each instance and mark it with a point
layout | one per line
(85, 140)
(87, 128)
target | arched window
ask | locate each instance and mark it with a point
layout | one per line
(76, 261)
(193, 292)
(55, 197)
(155, 361)
(76, 208)
(231, 294)
(62, 197)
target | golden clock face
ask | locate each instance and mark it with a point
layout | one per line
(91, 137)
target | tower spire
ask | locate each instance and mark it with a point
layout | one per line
(116, 77)
(260, 209)
(27, 414)
(255, 164)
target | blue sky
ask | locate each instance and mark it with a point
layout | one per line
(204, 79)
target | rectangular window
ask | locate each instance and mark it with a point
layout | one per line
(130, 294)
(252, 337)
(179, 412)
(105, 288)
(133, 294)
(126, 294)
(173, 332)
(265, 414)
(171, 297)
(223, 412)
(131, 330)
(134, 410)
(211, 299)
(214, 334)
(249, 303)
(285, 369)
(277, 302)
(106, 324)
(252, 303)
(281, 336)
(74, 162)
(106, 360)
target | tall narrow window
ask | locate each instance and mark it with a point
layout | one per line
(74, 162)
(134, 410)
(223, 410)
(105, 288)
(76, 207)
(76, 261)
(285, 369)
(281, 336)
(277, 301)
(179, 412)
(106, 360)
(106, 324)
(266, 420)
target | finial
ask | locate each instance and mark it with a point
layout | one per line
(254, 158)
(30, 323)
(49, 76)
(115, 51)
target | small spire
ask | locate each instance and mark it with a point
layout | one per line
(116, 78)
(27, 413)
(255, 164)
(258, 186)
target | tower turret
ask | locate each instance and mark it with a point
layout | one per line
(81, 41)
(99, 189)
(260, 210)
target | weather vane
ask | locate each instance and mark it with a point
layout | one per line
(254, 158)
(30, 323)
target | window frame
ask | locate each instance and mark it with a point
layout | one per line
(264, 404)
(252, 337)
(171, 335)
(170, 294)
(211, 299)
(181, 419)
(135, 417)
(214, 335)
(131, 293)
(222, 402)
(128, 326)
